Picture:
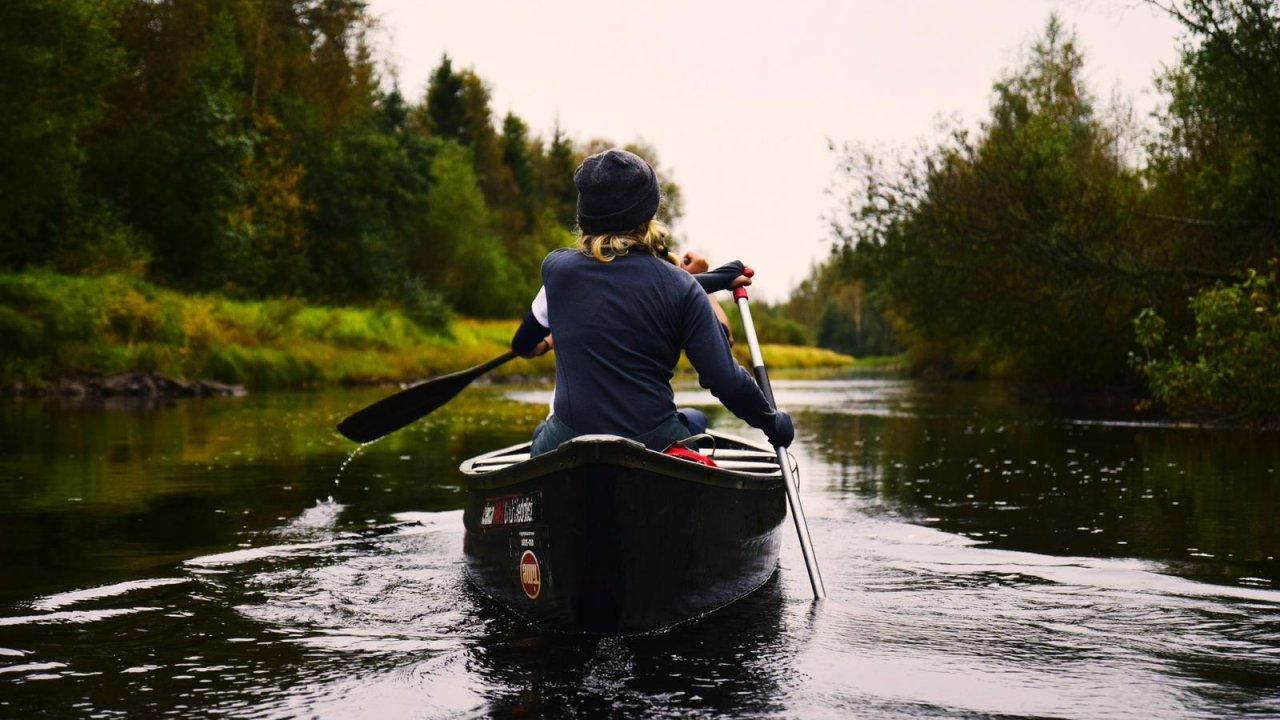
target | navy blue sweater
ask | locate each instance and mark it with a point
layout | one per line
(619, 330)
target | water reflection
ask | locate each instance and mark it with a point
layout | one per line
(984, 557)
(734, 662)
(1203, 501)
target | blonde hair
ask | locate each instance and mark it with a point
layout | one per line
(651, 237)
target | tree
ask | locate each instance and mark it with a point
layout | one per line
(444, 114)
(516, 156)
(246, 147)
(459, 252)
(1017, 250)
(58, 57)
(1216, 163)
(170, 155)
(833, 304)
(1227, 367)
(561, 161)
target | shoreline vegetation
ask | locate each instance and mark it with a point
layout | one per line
(174, 169)
(1064, 243)
(59, 331)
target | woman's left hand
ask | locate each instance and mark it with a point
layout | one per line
(693, 263)
(543, 347)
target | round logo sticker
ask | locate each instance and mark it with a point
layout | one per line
(530, 574)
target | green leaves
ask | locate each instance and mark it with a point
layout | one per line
(1228, 367)
(248, 148)
(56, 59)
(1009, 250)
(1038, 248)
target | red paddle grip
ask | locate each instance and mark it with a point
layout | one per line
(741, 292)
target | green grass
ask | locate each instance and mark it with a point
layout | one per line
(798, 357)
(54, 326)
(879, 362)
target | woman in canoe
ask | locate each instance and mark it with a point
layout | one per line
(622, 313)
(725, 277)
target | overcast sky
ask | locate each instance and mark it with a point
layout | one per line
(741, 97)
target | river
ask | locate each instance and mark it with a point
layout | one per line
(984, 557)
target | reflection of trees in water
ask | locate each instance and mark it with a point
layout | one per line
(100, 491)
(737, 661)
(1021, 479)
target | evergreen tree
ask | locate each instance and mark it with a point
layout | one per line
(516, 156)
(562, 195)
(444, 114)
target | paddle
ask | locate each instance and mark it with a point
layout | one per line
(395, 411)
(788, 478)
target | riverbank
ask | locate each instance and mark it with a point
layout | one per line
(57, 328)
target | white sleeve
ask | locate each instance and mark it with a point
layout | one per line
(539, 308)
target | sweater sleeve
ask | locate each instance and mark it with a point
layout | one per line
(528, 335)
(535, 327)
(720, 278)
(708, 350)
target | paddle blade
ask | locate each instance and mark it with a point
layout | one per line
(396, 411)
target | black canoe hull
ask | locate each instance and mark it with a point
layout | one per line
(602, 537)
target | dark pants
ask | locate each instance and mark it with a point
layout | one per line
(686, 422)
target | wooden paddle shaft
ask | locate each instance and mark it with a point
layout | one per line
(788, 477)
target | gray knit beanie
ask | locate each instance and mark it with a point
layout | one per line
(617, 191)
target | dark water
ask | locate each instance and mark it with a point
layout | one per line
(983, 559)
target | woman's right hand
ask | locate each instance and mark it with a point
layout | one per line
(740, 281)
(783, 432)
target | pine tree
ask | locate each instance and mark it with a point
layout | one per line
(562, 196)
(515, 155)
(444, 114)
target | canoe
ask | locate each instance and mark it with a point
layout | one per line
(603, 536)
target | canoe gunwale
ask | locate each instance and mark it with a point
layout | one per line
(613, 450)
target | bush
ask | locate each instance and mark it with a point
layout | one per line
(1230, 366)
(772, 326)
(19, 335)
(425, 307)
(53, 326)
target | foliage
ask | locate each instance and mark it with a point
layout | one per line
(781, 356)
(426, 308)
(834, 308)
(460, 252)
(1026, 247)
(57, 59)
(54, 326)
(1013, 250)
(772, 325)
(1215, 165)
(1227, 368)
(255, 149)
